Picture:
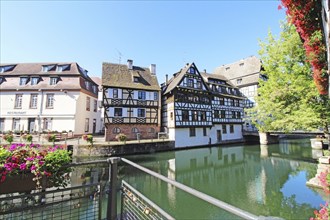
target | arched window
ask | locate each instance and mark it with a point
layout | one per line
(135, 130)
(116, 130)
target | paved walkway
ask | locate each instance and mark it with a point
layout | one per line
(98, 140)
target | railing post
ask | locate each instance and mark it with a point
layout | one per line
(112, 198)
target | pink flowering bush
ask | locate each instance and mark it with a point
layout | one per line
(40, 161)
(8, 137)
(323, 213)
(88, 138)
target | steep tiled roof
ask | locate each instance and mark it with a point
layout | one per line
(207, 76)
(70, 76)
(118, 75)
(36, 69)
(247, 69)
(176, 79)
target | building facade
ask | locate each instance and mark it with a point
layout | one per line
(192, 113)
(131, 101)
(43, 97)
(245, 75)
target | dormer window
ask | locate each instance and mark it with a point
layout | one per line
(6, 68)
(23, 81)
(87, 84)
(136, 79)
(1, 79)
(46, 68)
(53, 80)
(94, 89)
(34, 80)
(61, 68)
(239, 81)
(227, 68)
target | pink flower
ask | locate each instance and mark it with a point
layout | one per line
(22, 166)
(33, 167)
(29, 158)
(47, 173)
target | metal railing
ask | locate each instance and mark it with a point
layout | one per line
(72, 203)
(85, 202)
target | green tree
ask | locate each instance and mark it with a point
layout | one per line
(288, 100)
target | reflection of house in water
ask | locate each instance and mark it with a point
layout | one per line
(233, 174)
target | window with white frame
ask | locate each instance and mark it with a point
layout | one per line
(34, 80)
(116, 130)
(53, 80)
(86, 124)
(95, 105)
(49, 100)
(18, 100)
(135, 130)
(115, 93)
(88, 103)
(199, 84)
(142, 95)
(2, 124)
(23, 81)
(87, 84)
(155, 96)
(94, 89)
(16, 124)
(33, 100)
(190, 83)
(47, 124)
(141, 112)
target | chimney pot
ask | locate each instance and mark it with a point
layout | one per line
(153, 69)
(130, 64)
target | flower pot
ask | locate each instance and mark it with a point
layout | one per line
(21, 183)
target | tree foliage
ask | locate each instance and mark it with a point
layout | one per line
(288, 99)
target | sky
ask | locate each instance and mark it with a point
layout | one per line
(166, 33)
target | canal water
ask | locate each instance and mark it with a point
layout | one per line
(263, 180)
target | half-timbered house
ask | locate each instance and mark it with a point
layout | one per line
(227, 109)
(200, 108)
(187, 108)
(131, 100)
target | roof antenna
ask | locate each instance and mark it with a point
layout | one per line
(119, 56)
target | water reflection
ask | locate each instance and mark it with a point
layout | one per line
(268, 181)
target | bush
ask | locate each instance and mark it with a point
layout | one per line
(121, 137)
(27, 137)
(8, 137)
(88, 138)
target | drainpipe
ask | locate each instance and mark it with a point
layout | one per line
(40, 112)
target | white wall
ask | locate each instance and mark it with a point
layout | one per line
(183, 139)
